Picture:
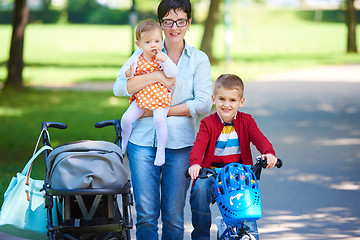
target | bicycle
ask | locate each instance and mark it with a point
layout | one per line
(237, 204)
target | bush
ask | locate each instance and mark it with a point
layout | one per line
(43, 16)
(102, 15)
(336, 15)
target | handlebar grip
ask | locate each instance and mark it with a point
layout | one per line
(278, 164)
(58, 125)
(204, 173)
(105, 123)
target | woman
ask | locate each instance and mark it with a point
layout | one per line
(163, 189)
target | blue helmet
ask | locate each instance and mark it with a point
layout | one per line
(237, 194)
(234, 176)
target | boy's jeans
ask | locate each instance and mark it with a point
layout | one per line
(201, 196)
(159, 189)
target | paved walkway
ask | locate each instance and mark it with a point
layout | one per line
(312, 118)
(341, 73)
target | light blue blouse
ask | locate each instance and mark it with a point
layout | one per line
(193, 87)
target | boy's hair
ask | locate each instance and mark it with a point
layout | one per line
(229, 81)
(166, 5)
(147, 26)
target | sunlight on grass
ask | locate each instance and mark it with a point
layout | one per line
(10, 112)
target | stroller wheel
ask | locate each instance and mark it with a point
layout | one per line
(88, 237)
(116, 236)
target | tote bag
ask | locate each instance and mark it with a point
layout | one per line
(23, 213)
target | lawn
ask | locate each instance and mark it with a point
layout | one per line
(57, 55)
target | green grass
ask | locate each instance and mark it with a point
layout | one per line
(65, 54)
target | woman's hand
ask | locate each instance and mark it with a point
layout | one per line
(139, 82)
(169, 83)
(147, 113)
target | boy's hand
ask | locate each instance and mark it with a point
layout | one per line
(194, 171)
(160, 56)
(271, 160)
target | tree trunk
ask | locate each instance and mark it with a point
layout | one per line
(207, 40)
(16, 63)
(351, 24)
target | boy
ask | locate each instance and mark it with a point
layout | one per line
(223, 137)
(155, 97)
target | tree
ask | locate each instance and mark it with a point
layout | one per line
(210, 23)
(351, 25)
(16, 63)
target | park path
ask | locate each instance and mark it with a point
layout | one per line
(312, 117)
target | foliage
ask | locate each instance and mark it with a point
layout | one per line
(103, 15)
(336, 15)
(36, 16)
(91, 12)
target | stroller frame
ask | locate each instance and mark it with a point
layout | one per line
(87, 213)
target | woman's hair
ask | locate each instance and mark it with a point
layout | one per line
(146, 26)
(229, 81)
(166, 5)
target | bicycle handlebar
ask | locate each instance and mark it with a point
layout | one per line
(204, 173)
(260, 163)
(263, 163)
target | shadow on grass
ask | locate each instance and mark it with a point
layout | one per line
(72, 65)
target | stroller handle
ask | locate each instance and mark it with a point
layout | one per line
(106, 123)
(116, 123)
(59, 125)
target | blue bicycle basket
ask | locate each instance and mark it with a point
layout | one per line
(237, 194)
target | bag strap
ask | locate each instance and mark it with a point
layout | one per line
(44, 131)
(27, 168)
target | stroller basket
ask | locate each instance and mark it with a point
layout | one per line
(243, 205)
(92, 211)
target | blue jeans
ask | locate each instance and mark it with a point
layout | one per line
(159, 189)
(201, 196)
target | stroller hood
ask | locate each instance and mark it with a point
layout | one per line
(86, 164)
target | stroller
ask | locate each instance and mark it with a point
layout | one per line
(86, 182)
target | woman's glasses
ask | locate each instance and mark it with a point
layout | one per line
(169, 23)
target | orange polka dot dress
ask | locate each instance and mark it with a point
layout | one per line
(155, 95)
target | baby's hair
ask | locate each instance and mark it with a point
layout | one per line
(146, 26)
(229, 81)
